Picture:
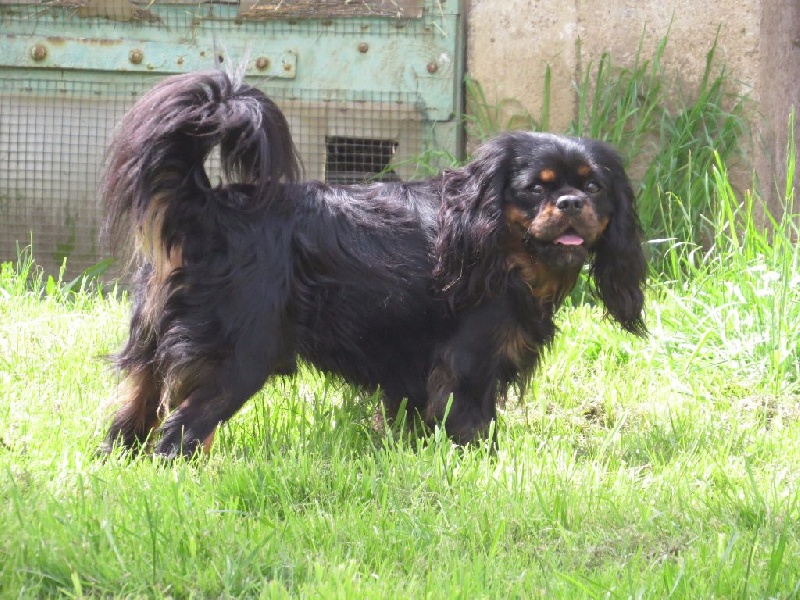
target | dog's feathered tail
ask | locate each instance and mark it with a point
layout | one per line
(155, 186)
(156, 158)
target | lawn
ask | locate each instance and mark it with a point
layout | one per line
(655, 467)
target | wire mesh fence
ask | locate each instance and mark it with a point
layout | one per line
(55, 124)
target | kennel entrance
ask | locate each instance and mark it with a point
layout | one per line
(367, 86)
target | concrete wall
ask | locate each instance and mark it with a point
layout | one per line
(510, 42)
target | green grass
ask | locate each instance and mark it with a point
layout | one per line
(658, 467)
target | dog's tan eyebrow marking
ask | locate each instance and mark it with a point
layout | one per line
(584, 170)
(547, 175)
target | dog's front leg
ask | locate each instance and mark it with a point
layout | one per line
(464, 403)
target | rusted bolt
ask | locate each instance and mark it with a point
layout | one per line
(287, 67)
(363, 47)
(262, 63)
(39, 52)
(433, 67)
(136, 56)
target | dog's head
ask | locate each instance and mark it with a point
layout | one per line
(540, 206)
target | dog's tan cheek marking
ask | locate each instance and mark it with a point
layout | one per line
(543, 284)
(595, 223)
(547, 175)
(518, 258)
(548, 211)
(517, 217)
(548, 215)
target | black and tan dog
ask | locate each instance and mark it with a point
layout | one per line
(430, 290)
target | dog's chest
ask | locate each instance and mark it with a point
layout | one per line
(527, 329)
(547, 287)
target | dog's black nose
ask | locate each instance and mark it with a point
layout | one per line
(570, 203)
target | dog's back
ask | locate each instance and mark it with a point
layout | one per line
(364, 300)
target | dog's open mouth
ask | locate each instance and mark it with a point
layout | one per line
(569, 238)
(566, 250)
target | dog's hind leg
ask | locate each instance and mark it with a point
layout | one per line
(138, 415)
(208, 391)
(223, 391)
(140, 390)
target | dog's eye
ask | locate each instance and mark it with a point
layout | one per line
(592, 186)
(538, 189)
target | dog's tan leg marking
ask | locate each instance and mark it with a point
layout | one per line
(208, 442)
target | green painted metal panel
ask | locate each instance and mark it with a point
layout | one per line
(273, 60)
(422, 55)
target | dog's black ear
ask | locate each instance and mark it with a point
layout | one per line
(468, 264)
(619, 268)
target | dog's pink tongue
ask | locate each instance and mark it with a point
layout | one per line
(569, 239)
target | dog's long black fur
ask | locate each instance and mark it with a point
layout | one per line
(426, 290)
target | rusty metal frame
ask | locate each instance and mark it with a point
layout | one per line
(329, 9)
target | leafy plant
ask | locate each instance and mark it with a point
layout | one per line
(679, 136)
(485, 119)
